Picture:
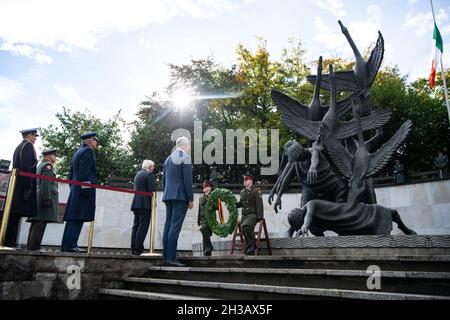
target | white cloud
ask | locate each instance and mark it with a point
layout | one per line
(70, 98)
(149, 44)
(329, 38)
(26, 25)
(18, 49)
(10, 91)
(26, 51)
(363, 32)
(422, 23)
(336, 7)
(43, 59)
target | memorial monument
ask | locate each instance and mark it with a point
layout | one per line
(336, 168)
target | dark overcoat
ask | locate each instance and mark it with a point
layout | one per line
(143, 181)
(81, 202)
(24, 202)
(46, 190)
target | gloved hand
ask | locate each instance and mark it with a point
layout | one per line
(46, 203)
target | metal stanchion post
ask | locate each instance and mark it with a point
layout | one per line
(7, 211)
(152, 229)
(91, 237)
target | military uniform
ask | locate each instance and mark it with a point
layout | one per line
(399, 173)
(47, 203)
(441, 162)
(24, 199)
(252, 211)
(81, 202)
(205, 229)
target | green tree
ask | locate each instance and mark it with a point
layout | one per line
(112, 157)
(423, 106)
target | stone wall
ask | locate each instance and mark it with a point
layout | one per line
(25, 275)
(424, 207)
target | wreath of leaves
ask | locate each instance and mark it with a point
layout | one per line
(228, 198)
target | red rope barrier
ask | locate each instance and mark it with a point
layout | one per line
(83, 184)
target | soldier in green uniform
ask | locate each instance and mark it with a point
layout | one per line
(47, 201)
(399, 172)
(252, 211)
(205, 229)
(441, 163)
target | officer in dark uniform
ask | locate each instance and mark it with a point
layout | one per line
(81, 203)
(205, 229)
(252, 211)
(47, 201)
(24, 200)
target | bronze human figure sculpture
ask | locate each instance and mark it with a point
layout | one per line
(354, 216)
(336, 169)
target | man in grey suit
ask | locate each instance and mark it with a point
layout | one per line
(178, 197)
(141, 206)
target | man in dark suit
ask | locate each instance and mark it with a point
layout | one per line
(24, 203)
(178, 197)
(141, 206)
(81, 203)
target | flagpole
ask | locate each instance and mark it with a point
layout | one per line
(443, 73)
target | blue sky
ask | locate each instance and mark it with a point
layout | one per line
(107, 55)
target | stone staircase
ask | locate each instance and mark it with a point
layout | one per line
(282, 277)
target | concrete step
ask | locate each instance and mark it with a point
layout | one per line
(131, 294)
(223, 290)
(414, 282)
(436, 263)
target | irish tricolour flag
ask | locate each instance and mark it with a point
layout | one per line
(438, 50)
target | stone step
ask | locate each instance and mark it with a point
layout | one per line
(413, 282)
(436, 263)
(328, 272)
(222, 290)
(132, 294)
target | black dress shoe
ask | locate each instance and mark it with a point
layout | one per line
(174, 263)
(207, 252)
(250, 251)
(80, 250)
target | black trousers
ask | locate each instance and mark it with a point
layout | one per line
(35, 235)
(139, 231)
(12, 231)
(71, 234)
(206, 236)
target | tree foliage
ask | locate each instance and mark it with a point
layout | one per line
(112, 157)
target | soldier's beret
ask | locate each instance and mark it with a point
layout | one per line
(248, 175)
(89, 135)
(32, 130)
(207, 183)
